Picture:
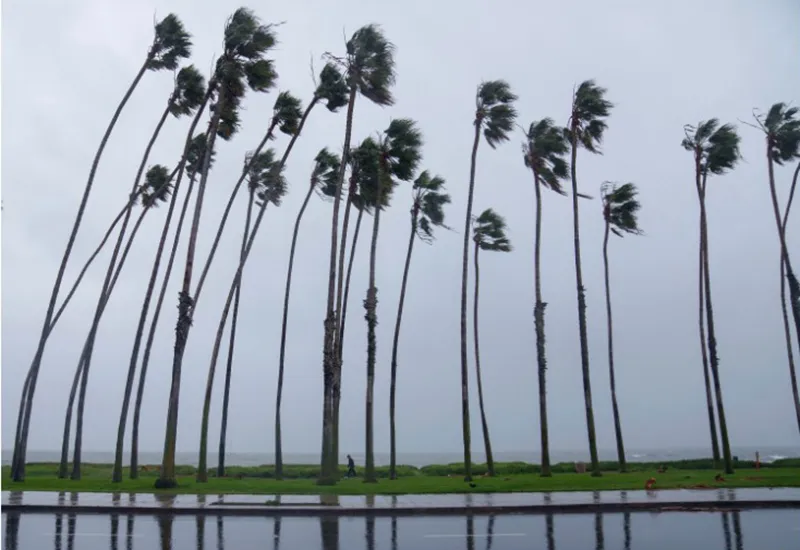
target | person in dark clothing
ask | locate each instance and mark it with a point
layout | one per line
(351, 467)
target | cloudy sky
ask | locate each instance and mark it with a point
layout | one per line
(67, 64)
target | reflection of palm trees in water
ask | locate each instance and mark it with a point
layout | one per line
(490, 532)
(200, 524)
(470, 533)
(59, 524)
(165, 531)
(599, 538)
(370, 521)
(12, 531)
(73, 499)
(329, 528)
(220, 533)
(626, 528)
(129, 524)
(548, 520)
(276, 532)
(394, 524)
(114, 543)
(737, 530)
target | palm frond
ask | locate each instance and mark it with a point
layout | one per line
(171, 44)
(621, 207)
(495, 111)
(287, 112)
(489, 232)
(265, 177)
(589, 109)
(783, 132)
(197, 148)
(429, 200)
(332, 88)
(722, 150)
(544, 152)
(371, 65)
(156, 186)
(189, 92)
(401, 146)
(324, 176)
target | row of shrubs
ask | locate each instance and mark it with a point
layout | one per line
(310, 471)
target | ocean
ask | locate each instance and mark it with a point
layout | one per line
(768, 454)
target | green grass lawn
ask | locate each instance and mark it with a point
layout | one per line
(97, 478)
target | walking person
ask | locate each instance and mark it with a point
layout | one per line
(351, 467)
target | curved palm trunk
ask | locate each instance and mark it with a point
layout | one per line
(464, 274)
(587, 383)
(704, 354)
(137, 409)
(284, 326)
(26, 400)
(711, 335)
(538, 315)
(223, 432)
(330, 364)
(395, 342)
(484, 424)
(166, 479)
(371, 307)
(347, 278)
(786, 329)
(611, 377)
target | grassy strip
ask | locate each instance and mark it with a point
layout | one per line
(96, 478)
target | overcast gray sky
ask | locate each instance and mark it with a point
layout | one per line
(67, 64)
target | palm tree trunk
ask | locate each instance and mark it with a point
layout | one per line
(704, 354)
(464, 274)
(587, 383)
(330, 362)
(712, 341)
(284, 325)
(395, 342)
(786, 329)
(347, 279)
(611, 377)
(137, 409)
(166, 479)
(26, 400)
(484, 424)
(116, 475)
(538, 315)
(371, 307)
(223, 432)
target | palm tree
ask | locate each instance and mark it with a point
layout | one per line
(786, 330)
(716, 150)
(266, 176)
(246, 43)
(193, 164)
(489, 233)
(325, 172)
(543, 152)
(782, 130)
(586, 128)
(369, 69)
(171, 43)
(427, 212)
(495, 115)
(620, 213)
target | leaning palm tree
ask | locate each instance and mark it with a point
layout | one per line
(586, 128)
(782, 129)
(265, 175)
(620, 213)
(494, 115)
(325, 172)
(489, 233)
(543, 152)
(368, 66)
(716, 150)
(194, 162)
(397, 156)
(171, 43)
(427, 212)
(246, 43)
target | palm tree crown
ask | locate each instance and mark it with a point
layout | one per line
(783, 132)
(716, 147)
(156, 186)
(429, 200)
(189, 92)
(394, 156)
(620, 208)
(370, 64)
(325, 172)
(265, 177)
(332, 88)
(194, 159)
(490, 232)
(589, 109)
(494, 111)
(287, 112)
(171, 44)
(543, 152)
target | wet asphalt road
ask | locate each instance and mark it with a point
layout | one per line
(752, 530)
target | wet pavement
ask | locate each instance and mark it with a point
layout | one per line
(400, 505)
(749, 530)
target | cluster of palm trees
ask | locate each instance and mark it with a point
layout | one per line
(372, 169)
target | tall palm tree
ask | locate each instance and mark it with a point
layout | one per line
(543, 152)
(171, 43)
(620, 213)
(194, 163)
(716, 150)
(427, 212)
(265, 177)
(368, 66)
(494, 115)
(246, 43)
(325, 172)
(489, 233)
(586, 128)
(782, 130)
(786, 330)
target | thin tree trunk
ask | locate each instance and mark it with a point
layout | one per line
(330, 361)
(587, 383)
(223, 432)
(465, 427)
(712, 341)
(484, 424)
(786, 328)
(611, 377)
(538, 315)
(347, 278)
(371, 307)
(393, 384)
(26, 400)
(712, 423)
(284, 325)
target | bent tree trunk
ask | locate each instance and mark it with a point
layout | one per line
(371, 307)
(786, 329)
(704, 354)
(26, 400)
(484, 424)
(347, 279)
(395, 344)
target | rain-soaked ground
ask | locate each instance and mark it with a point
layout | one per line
(740, 530)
